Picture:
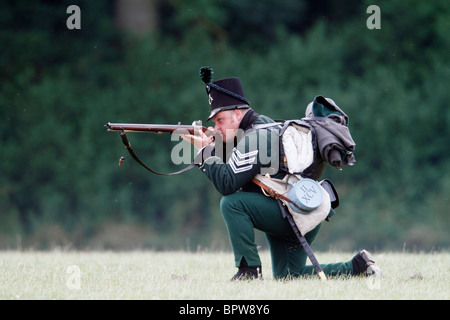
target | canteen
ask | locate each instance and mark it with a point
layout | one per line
(306, 195)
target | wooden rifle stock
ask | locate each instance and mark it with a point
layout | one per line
(158, 128)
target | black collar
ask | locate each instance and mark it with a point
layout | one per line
(248, 119)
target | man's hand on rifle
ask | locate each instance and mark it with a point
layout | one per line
(199, 139)
(202, 142)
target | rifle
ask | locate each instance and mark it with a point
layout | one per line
(157, 128)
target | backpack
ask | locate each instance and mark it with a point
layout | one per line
(323, 134)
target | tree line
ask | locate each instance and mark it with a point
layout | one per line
(61, 185)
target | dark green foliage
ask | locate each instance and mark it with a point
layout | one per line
(60, 182)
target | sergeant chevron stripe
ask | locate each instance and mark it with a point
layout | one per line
(241, 162)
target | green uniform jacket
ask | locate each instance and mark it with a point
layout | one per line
(256, 151)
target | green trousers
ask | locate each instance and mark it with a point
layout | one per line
(245, 211)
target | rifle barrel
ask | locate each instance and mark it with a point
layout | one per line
(144, 127)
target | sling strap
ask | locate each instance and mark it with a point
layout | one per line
(286, 214)
(127, 145)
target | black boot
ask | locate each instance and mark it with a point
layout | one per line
(247, 272)
(364, 264)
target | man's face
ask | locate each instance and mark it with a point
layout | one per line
(227, 122)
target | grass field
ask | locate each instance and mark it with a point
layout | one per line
(206, 276)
